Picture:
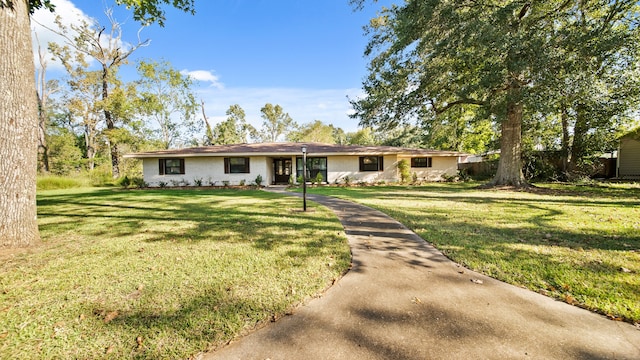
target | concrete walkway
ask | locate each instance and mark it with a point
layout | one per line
(404, 300)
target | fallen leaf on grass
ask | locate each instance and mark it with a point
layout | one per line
(477, 281)
(109, 350)
(625, 270)
(139, 342)
(4, 335)
(416, 300)
(110, 316)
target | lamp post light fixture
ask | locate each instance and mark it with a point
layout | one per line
(304, 177)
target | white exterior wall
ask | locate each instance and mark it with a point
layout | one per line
(340, 166)
(629, 158)
(209, 170)
(440, 165)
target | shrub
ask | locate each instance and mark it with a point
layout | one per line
(139, 182)
(318, 178)
(347, 180)
(404, 168)
(258, 180)
(198, 181)
(124, 182)
(211, 182)
(175, 183)
(225, 183)
(300, 179)
(243, 182)
(414, 178)
(162, 184)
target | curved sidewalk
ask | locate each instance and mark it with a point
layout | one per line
(403, 299)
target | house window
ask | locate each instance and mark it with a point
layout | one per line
(236, 165)
(315, 166)
(371, 163)
(421, 162)
(171, 166)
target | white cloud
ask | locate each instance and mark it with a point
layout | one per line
(330, 106)
(44, 20)
(204, 76)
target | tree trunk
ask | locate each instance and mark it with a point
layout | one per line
(578, 148)
(510, 165)
(18, 129)
(566, 158)
(115, 163)
(43, 149)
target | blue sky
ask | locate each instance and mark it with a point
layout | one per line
(306, 56)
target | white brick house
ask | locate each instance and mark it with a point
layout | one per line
(276, 162)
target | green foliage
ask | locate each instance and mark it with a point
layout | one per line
(405, 170)
(124, 182)
(234, 130)
(166, 99)
(318, 178)
(364, 136)
(151, 11)
(243, 182)
(258, 180)
(276, 123)
(458, 69)
(197, 181)
(317, 132)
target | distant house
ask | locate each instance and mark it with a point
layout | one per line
(277, 162)
(629, 156)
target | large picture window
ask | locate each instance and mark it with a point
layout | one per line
(171, 166)
(315, 166)
(421, 162)
(236, 165)
(371, 163)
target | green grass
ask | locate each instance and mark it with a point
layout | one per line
(580, 244)
(161, 274)
(52, 182)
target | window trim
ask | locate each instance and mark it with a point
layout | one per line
(162, 166)
(247, 165)
(379, 163)
(310, 171)
(428, 162)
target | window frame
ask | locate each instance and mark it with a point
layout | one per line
(162, 166)
(428, 162)
(312, 171)
(232, 168)
(379, 164)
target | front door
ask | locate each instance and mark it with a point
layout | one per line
(282, 169)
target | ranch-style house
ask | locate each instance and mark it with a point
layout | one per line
(281, 163)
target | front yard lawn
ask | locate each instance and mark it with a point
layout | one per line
(574, 243)
(161, 273)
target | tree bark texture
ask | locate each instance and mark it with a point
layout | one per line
(108, 116)
(18, 129)
(510, 165)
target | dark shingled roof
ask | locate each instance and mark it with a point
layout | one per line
(289, 149)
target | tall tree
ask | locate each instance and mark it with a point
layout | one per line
(92, 40)
(18, 128)
(166, 96)
(19, 114)
(234, 130)
(431, 56)
(44, 90)
(316, 131)
(276, 123)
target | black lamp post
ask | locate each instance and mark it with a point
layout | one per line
(304, 177)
